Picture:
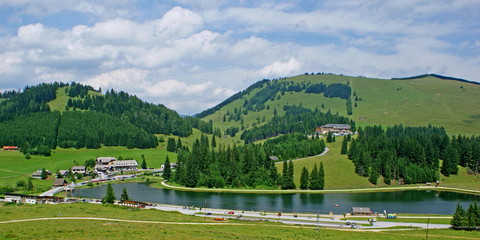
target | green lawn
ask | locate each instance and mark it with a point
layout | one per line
(105, 229)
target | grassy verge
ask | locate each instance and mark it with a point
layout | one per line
(109, 229)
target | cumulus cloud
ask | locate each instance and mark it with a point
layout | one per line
(194, 56)
(280, 69)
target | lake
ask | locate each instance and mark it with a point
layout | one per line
(412, 201)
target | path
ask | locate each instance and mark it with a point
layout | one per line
(325, 151)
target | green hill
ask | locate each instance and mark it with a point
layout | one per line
(418, 101)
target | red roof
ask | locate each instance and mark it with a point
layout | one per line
(10, 148)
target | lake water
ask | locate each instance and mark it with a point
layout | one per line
(432, 202)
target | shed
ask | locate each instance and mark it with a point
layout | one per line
(37, 175)
(361, 211)
(59, 182)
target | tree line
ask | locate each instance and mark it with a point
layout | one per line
(409, 154)
(466, 220)
(296, 119)
(250, 165)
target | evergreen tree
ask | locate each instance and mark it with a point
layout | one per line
(124, 195)
(144, 162)
(171, 146)
(291, 183)
(471, 215)
(109, 195)
(179, 144)
(450, 161)
(43, 174)
(167, 171)
(304, 179)
(344, 146)
(285, 180)
(214, 143)
(329, 137)
(321, 177)
(29, 185)
(459, 218)
(314, 183)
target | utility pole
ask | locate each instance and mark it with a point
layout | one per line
(205, 207)
(318, 221)
(428, 223)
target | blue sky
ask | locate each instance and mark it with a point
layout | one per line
(192, 54)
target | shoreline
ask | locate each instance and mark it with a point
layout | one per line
(348, 190)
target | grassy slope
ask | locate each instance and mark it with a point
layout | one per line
(417, 102)
(83, 229)
(59, 103)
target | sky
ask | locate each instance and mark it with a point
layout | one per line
(192, 54)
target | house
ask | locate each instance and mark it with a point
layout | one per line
(79, 169)
(123, 165)
(10, 148)
(130, 203)
(31, 199)
(273, 158)
(172, 165)
(104, 160)
(37, 175)
(336, 129)
(59, 182)
(361, 211)
(63, 172)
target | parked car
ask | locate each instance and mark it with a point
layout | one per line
(231, 212)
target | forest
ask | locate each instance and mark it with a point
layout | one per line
(296, 120)
(90, 119)
(250, 165)
(411, 154)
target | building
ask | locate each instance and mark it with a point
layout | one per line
(123, 165)
(59, 182)
(361, 211)
(172, 165)
(79, 169)
(31, 199)
(336, 129)
(37, 175)
(10, 148)
(63, 172)
(130, 203)
(104, 160)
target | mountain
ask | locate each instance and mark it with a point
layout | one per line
(417, 101)
(75, 115)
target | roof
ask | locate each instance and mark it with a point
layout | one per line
(125, 163)
(78, 168)
(63, 172)
(105, 160)
(361, 210)
(341, 126)
(59, 182)
(37, 174)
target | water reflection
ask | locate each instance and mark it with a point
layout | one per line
(401, 201)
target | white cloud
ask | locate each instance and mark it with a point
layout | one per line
(280, 69)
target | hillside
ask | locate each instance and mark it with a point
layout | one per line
(75, 115)
(418, 101)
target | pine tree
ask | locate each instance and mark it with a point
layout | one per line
(124, 195)
(314, 184)
(450, 161)
(179, 144)
(29, 185)
(458, 220)
(291, 183)
(471, 215)
(214, 143)
(329, 137)
(167, 171)
(304, 179)
(144, 164)
(43, 174)
(284, 184)
(321, 177)
(171, 146)
(344, 146)
(109, 195)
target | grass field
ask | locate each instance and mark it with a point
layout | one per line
(452, 104)
(14, 166)
(340, 172)
(107, 229)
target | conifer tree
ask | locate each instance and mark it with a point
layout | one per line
(304, 179)
(285, 180)
(314, 184)
(171, 146)
(321, 176)
(144, 163)
(179, 144)
(344, 146)
(124, 195)
(214, 143)
(167, 171)
(458, 220)
(29, 185)
(43, 174)
(291, 183)
(109, 195)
